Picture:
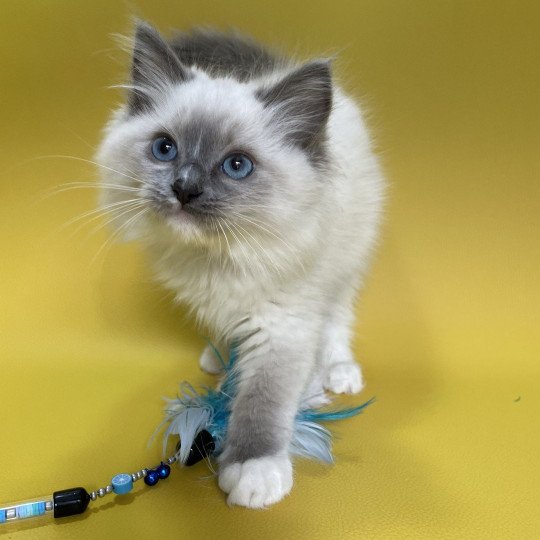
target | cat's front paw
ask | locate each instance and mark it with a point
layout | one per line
(344, 378)
(257, 483)
(210, 362)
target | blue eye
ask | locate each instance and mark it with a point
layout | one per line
(237, 166)
(164, 149)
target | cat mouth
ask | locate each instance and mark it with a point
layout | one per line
(187, 213)
(178, 214)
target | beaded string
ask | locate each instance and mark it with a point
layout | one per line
(123, 483)
(73, 501)
(70, 502)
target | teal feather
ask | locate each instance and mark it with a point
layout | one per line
(194, 411)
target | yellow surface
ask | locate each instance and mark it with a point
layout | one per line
(448, 327)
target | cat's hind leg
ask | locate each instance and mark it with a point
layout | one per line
(339, 370)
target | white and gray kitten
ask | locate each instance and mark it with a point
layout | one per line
(250, 180)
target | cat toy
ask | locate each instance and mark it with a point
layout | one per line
(200, 421)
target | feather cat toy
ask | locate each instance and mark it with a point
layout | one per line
(200, 419)
(192, 414)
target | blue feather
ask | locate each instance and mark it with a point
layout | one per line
(194, 411)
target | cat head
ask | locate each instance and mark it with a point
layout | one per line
(218, 142)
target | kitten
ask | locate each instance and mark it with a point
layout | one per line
(250, 180)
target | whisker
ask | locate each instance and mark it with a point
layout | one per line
(118, 232)
(84, 160)
(242, 266)
(215, 227)
(258, 258)
(67, 128)
(88, 185)
(263, 251)
(226, 239)
(258, 224)
(122, 211)
(100, 211)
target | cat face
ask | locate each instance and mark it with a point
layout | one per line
(215, 159)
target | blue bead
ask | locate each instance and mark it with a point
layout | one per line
(151, 478)
(2, 516)
(122, 483)
(163, 470)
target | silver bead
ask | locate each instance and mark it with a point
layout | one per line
(108, 489)
(134, 477)
(144, 472)
(93, 495)
(49, 506)
(139, 475)
(171, 460)
(101, 492)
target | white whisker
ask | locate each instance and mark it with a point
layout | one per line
(61, 156)
(226, 239)
(278, 237)
(247, 260)
(215, 227)
(99, 211)
(114, 214)
(88, 185)
(263, 251)
(122, 212)
(117, 233)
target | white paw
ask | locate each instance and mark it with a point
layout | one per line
(209, 361)
(344, 378)
(257, 483)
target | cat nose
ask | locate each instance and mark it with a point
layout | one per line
(188, 185)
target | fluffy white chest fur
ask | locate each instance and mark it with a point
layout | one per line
(251, 182)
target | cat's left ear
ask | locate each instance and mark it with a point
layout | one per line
(302, 101)
(154, 67)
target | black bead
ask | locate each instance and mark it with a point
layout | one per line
(202, 447)
(70, 502)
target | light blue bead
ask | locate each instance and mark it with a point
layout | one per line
(2, 516)
(122, 483)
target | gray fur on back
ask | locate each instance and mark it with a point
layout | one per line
(225, 54)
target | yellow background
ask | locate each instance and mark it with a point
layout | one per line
(447, 328)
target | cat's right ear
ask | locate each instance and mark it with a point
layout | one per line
(154, 68)
(302, 102)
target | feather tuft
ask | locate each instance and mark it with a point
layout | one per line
(193, 411)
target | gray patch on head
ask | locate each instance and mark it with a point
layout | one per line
(302, 101)
(202, 136)
(225, 54)
(205, 142)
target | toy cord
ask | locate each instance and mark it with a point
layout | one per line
(73, 501)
